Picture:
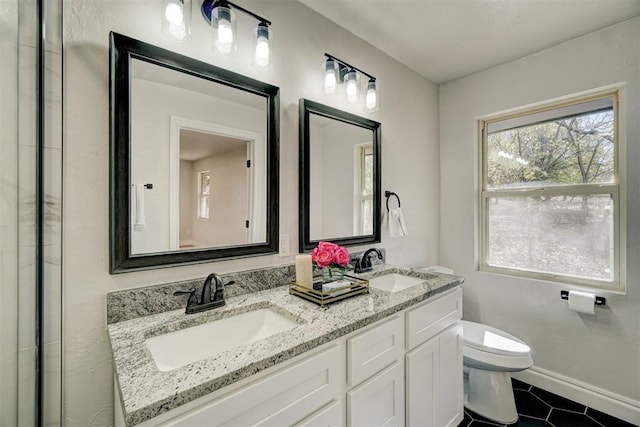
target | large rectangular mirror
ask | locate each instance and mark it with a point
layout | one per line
(339, 177)
(194, 160)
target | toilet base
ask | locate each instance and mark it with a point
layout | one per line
(490, 394)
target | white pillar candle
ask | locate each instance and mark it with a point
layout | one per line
(304, 271)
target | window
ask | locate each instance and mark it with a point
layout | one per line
(549, 203)
(364, 189)
(204, 193)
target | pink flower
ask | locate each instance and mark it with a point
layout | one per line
(323, 254)
(327, 254)
(341, 256)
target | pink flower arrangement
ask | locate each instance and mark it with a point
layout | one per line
(328, 254)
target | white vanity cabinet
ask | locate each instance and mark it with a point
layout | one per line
(405, 369)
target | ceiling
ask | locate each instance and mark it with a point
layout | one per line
(196, 145)
(447, 39)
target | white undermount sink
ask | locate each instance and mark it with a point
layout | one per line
(179, 348)
(394, 282)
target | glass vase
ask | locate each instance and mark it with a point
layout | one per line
(332, 274)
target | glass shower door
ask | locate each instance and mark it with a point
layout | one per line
(30, 206)
(18, 234)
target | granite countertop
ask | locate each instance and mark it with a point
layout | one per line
(147, 392)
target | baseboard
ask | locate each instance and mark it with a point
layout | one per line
(599, 399)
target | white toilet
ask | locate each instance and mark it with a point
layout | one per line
(489, 355)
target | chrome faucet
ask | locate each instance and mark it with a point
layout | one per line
(206, 301)
(363, 264)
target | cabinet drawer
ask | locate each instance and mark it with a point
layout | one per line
(373, 350)
(283, 398)
(329, 416)
(433, 317)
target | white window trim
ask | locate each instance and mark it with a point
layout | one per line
(202, 195)
(359, 151)
(615, 189)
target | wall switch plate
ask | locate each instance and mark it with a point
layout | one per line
(283, 246)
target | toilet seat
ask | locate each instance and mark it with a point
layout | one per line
(491, 349)
(492, 340)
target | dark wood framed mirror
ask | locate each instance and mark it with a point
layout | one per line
(340, 177)
(194, 160)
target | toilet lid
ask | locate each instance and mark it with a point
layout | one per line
(492, 340)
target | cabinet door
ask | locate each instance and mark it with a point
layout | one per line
(422, 384)
(450, 405)
(434, 381)
(378, 401)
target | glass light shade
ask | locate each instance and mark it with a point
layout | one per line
(352, 86)
(261, 56)
(176, 19)
(371, 99)
(224, 29)
(330, 79)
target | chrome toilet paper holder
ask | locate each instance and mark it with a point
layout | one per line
(600, 301)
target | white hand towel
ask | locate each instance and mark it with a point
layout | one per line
(397, 227)
(139, 206)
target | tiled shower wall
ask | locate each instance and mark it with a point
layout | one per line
(18, 238)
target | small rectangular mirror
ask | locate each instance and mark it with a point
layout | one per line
(339, 177)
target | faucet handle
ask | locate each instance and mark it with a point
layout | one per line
(219, 289)
(193, 300)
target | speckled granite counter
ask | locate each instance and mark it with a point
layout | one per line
(147, 392)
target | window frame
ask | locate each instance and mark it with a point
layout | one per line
(361, 151)
(613, 189)
(202, 195)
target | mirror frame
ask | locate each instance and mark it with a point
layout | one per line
(122, 50)
(307, 107)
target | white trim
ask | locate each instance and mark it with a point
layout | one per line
(257, 206)
(546, 115)
(358, 198)
(594, 397)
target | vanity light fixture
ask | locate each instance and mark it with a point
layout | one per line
(352, 85)
(338, 71)
(220, 14)
(330, 79)
(176, 19)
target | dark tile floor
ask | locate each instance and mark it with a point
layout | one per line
(539, 408)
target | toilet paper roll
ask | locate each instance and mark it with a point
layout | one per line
(582, 302)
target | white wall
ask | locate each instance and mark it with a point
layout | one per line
(408, 113)
(602, 351)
